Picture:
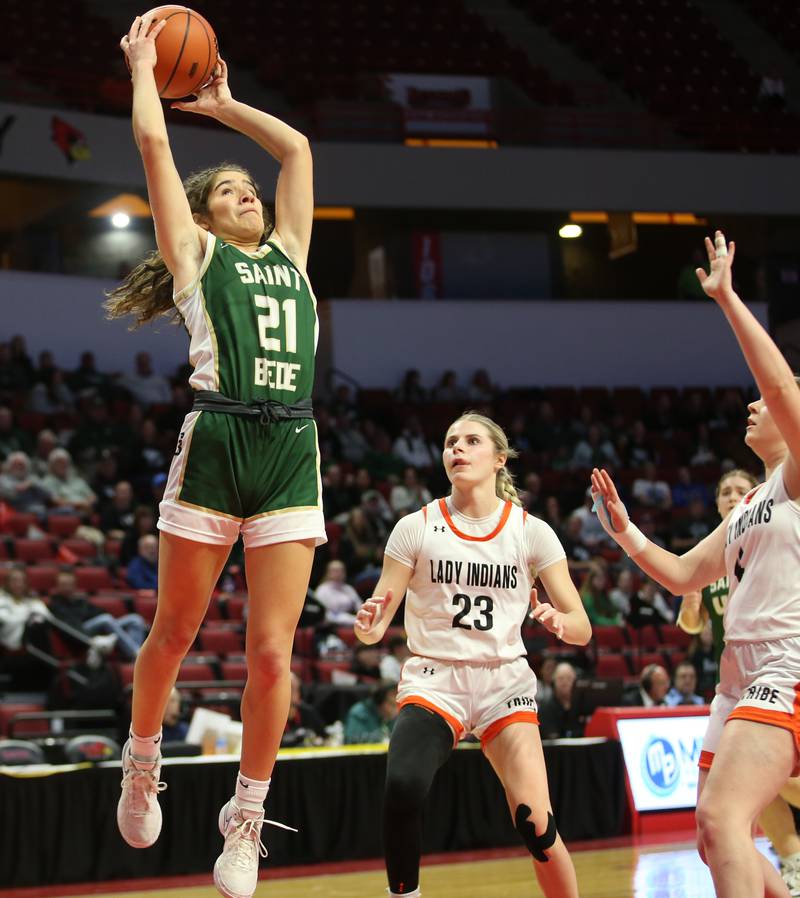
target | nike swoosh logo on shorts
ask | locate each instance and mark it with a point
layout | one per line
(298, 429)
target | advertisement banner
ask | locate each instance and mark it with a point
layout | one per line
(443, 104)
(427, 261)
(661, 756)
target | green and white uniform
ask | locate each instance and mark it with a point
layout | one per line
(715, 598)
(252, 322)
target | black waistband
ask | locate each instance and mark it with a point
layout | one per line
(268, 411)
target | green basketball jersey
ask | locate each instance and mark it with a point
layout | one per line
(252, 320)
(715, 598)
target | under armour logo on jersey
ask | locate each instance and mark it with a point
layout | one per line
(428, 670)
(738, 570)
(438, 528)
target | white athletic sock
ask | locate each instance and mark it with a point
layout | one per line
(145, 748)
(415, 894)
(251, 794)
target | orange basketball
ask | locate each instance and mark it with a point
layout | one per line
(186, 50)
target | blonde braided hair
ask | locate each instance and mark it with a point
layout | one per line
(504, 479)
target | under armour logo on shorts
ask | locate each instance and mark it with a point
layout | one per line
(437, 528)
(428, 670)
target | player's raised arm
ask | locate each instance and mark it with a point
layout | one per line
(294, 195)
(679, 574)
(775, 379)
(180, 241)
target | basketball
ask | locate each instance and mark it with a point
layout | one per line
(187, 51)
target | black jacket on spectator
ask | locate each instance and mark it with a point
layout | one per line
(558, 722)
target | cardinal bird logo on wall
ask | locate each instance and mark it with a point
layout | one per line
(69, 140)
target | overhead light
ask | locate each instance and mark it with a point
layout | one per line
(120, 220)
(570, 231)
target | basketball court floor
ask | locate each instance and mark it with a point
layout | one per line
(668, 870)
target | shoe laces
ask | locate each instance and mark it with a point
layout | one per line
(247, 837)
(141, 784)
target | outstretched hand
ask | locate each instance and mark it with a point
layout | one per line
(609, 507)
(211, 96)
(370, 614)
(548, 615)
(139, 44)
(718, 284)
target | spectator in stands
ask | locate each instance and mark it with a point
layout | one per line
(413, 447)
(392, 663)
(97, 431)
(86, 380)
(448, 389)
(74, 609)
(686, 490)
(354, 445)
(685, 683)
(531, 495)
(339, 599)
(68, 491)
(13, 380)
(552, 514)
(688, 531)
(359, 543)
(343, 405)
(337, 497)
(704, 658)
(142, 571)
(518, 434)
(622, 594)
(18, 350)
(546, 431)
(652, 689)
(703, 454)
(51, 395)
(649, 607)
(366, 664)
(46, 365)
(600, 610)
(592, 534)
(304, 725)
(378, 512)
(106, 477)
(117, 516)
(544, 678)
(481, 389)
(409, 495)
(152, 457)
(411, 389)
(594, 451)
(372, 719)
(144, 384)
(12, 439)
(46, 441)
(174, 728)
(558, 718)
(578, 555)
(381, 460)
(19, 609)
(639, 449)
(20, 488)
(651, 492)
(144, 521)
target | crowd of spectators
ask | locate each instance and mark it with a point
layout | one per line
(97, 447)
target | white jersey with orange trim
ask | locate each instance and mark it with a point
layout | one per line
(470, 590)
(762, 558)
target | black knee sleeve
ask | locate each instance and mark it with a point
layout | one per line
(421, 742)
(535, 844)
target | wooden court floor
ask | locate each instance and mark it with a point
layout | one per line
(659, 871)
